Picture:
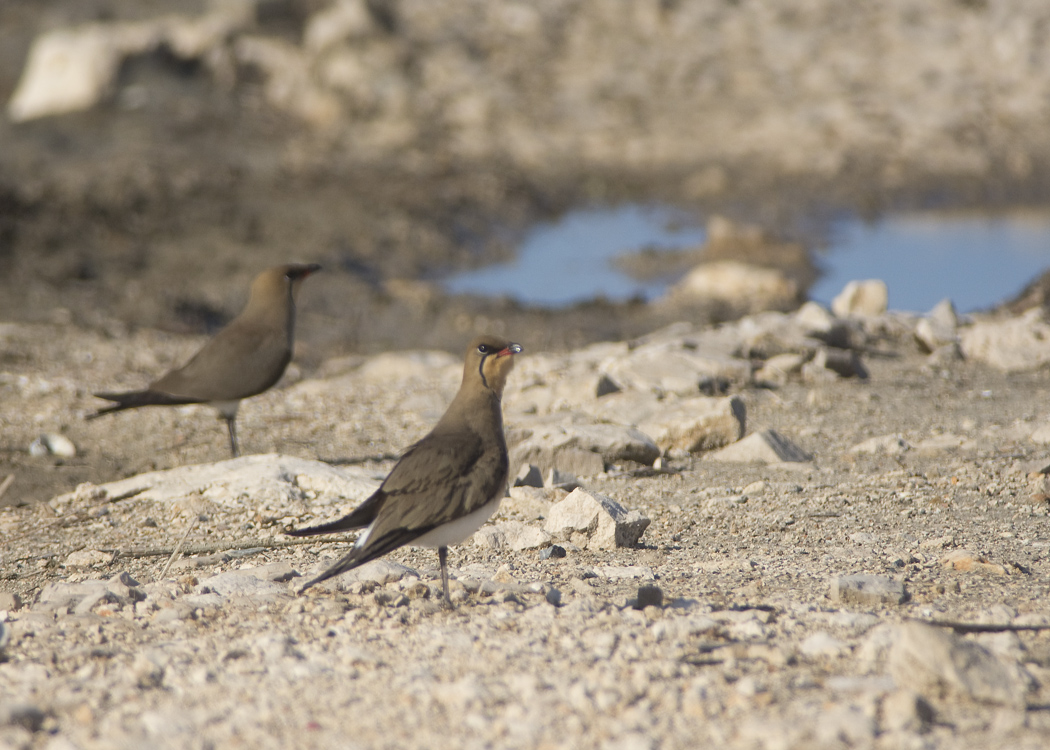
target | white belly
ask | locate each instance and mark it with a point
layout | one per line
(456, 531)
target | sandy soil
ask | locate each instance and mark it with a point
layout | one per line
(749, 652)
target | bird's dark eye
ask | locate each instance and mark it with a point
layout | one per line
(483, 348)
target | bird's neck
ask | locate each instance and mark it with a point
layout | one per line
(481, 407)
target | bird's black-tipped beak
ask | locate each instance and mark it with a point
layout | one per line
(512, 349)
(302, 271)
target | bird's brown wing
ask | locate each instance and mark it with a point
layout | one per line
(439, 479)
(241, 361)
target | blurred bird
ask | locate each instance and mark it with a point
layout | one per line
(244, 359)
(449, 483)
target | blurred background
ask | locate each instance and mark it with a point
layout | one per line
(550, 169)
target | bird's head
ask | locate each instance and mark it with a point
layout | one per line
(279, 282)
(489, 361)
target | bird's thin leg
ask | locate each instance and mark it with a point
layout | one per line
(233, 435)
(443, 560)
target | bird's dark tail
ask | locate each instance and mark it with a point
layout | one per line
(347, 563)
(135, 399)
(358, 518)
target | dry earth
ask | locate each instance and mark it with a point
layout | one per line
(456, 125)
(749, 649)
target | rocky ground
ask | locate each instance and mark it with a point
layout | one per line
(773, 600)
(812, 491)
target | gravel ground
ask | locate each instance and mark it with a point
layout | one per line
(749, 649)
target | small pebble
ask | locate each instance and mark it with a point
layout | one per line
(649, 596)
(50, 444)
(554, 551)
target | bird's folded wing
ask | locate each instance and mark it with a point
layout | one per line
(241, 361)
(438, 480)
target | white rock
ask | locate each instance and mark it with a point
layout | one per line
(61, 597)
(933, 660)
(570, 462)
(261, 481)
(823, 645)
(86, 558)
(887, 445)
(529, 503)
(765, 447)
(672, 367)
(601, 522)
(54, 445)
(381, 571)
(146, 671)
(520, 536)
(946, 443)
(875, 648)
(739, 285)
(73, 69)
(626, 407)
(542, 442)
(967, 561)
(814, 318)
(1011, 345)
(1007, 645)
(776, 370)
(906, 711)
(867, 590)
(750, 629)
(344, 19)
(683, 628)
(1041, 435)
(69, 70)
(278, 572)
(939, 328)
(767, 334)
(861, 298)
(490, 537)
(125, 588)
(697, 424)
(239, 583)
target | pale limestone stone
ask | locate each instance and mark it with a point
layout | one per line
(867, 590)
(741, 285)
(868, 298)
(887, 445)
(697, 424)
(344, 19)
(765, 447)
(541, 442)
(1011, 345)
(599, 521)
(939, 328)
(283, 483)
(520, 536)
(935, 661)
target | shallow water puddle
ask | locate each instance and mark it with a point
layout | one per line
(570, 260)
(976, 261)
